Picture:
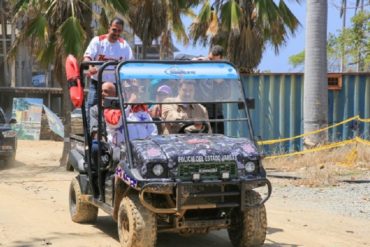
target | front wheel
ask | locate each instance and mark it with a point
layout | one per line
(81, 212)
(248, 228)
(137, 226)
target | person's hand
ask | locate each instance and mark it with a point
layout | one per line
(198, 125)
(200, 59)
(154, 111)
(132, 98)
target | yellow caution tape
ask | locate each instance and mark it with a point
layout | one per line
(364, 120)
(363, 141)
(269, 142)
(324, 147)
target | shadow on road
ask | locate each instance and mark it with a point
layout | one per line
(15, 164)
(271, 230)
(107, 225)
(215, 239)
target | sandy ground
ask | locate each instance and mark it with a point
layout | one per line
(34, 212)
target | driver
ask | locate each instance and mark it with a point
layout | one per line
(185, 111)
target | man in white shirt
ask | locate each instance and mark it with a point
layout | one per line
(106, 47)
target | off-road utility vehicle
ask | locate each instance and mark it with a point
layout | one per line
(183, 182)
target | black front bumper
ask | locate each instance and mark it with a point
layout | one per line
(221, 196)
(4, 154)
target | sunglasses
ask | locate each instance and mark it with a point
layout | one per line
(115, 30)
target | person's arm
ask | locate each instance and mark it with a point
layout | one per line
(130, 54)
(151, 127)
(170, 113)
(93, 122)
(205, 113)
(90, 54)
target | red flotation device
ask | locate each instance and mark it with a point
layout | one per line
(76, 89)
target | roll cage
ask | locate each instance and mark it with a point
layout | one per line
(119, 102)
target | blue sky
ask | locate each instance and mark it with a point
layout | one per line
(279, 63)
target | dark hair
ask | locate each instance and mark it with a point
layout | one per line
(217, 50)
(116, 20)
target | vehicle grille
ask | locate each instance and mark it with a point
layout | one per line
(207, 170)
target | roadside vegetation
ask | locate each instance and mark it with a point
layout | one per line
(325, 168)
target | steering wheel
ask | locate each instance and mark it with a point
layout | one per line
(204, 128)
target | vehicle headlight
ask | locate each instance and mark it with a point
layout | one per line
(158, 170)
(250, 166)
(9, 133)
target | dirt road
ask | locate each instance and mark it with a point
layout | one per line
(34, 212)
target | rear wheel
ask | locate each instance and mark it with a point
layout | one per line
(248, 228)
(81, 212)
(137, 226)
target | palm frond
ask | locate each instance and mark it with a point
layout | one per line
(230, 13)
(288, 17)
(46, 56)
(37, 28)
(200, 25)
(121, 6)
(72, 36)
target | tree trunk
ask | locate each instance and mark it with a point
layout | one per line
(66, 113)
(4, 36)
(165, 49)
(344, 16)
(12, 68)
(315, 104)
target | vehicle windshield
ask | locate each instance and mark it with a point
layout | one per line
(217, 82)
(216, 86)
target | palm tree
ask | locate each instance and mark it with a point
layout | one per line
(174, 25)
(151, 19)
(244, 28)
(55, 29)
(315, 105)
(148, 19)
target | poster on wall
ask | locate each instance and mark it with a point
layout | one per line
(27, 112)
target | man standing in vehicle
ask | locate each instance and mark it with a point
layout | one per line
(106, 47)
(216, 54)
(186, 111)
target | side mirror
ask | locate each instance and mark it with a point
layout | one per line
(111, 103)
(250, 103)
(12, 121)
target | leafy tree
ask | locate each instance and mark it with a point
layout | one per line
(151, 19)
(174, 25)
(244, 28)
(354, 41)
(56, 28)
